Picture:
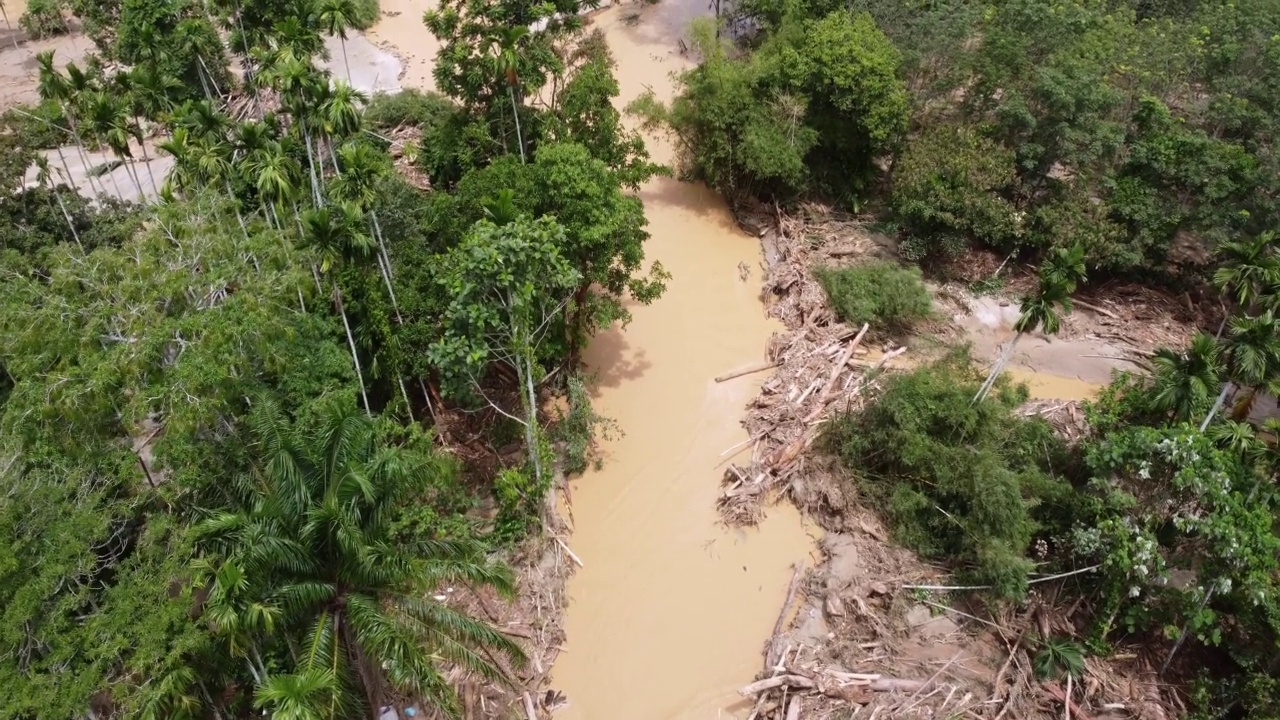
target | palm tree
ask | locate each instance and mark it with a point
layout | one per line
(54, 86)
(44, 177)
(130, 99)
(362, 169)
(184, 175)
(1185, 381)
(153, 93)
(340, 114)
(299, 86)
(1252, 354)
(98, 120)
(1249, 272)
(335, 17)
(1038, 311)
(331, 230)
(109, 121)
(311, 541)
(506, 62)
(1060, 273)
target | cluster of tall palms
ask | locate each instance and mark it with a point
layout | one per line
(1245, 351)
(105, 111)
(303, 571)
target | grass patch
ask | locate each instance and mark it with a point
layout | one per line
(884, 294)
(407, 107)
(972, 484)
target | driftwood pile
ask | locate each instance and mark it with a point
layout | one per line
(799, 693)
(823, 366)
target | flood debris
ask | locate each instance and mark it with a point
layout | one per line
(872, 631)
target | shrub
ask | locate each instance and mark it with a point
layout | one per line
(949, 190)
(39, 127)
(886, 295)
(408, 107)
(44, 19)
(365, 13)
(967, 482)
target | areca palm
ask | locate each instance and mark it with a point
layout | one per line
(54, 86)
(1252, 354)
(1185, 381)
(506, 62)
(312, 534)
(362, 169)
(109, 120)
(44, 176)
(1249, 272)
(1041, 310)
(335, 17)
(333, 233)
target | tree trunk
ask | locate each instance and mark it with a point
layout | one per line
(12, 35)
(67, 216)
(84, 156)
(311, 166)
(146, 158)
(1217, 405)
(996, 369)
(351, 341)
(132, 172)
(516, 112)
(531, 413)
(343, 38)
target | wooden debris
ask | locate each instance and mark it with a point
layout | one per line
(758, 367)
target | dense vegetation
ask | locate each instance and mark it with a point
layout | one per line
(245, 427)
(1143, 131)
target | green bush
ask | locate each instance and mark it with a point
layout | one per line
(40, 127)
(886, 295)
(365, 13)
(971, 483)
(44, 19)
(409, 107)
(949, 189)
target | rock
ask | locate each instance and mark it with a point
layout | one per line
(878, 588)
(921, 619)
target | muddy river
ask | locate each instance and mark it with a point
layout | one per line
(669, 614)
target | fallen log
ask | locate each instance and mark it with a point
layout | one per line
(793, 710)
(758, 367)
(759, 686)
(1095, 308)
(769, 656)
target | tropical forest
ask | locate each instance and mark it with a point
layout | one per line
(644, 359)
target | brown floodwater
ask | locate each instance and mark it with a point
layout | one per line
(670, 612)
(401, 31)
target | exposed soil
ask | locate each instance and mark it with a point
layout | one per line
(863, 636)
